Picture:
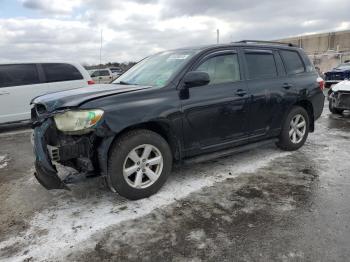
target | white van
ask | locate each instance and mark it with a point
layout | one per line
(102, 76)
(21, 82)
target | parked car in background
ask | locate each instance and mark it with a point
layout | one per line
(178, 106)
(102, 76)
(338, 74)
(116, 71)
(21, 82)
(339, 97)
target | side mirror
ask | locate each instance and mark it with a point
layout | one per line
(196, 78)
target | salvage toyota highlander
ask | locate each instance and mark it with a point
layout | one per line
(177, 106)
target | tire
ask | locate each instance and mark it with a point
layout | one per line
(128, 174)
(334, 110)
(285, 139)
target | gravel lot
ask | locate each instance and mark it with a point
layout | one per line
(261, 205)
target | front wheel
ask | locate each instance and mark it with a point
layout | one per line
(139, 164)
(295, 130)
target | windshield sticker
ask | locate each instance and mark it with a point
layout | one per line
(177, 57)
(160, 82)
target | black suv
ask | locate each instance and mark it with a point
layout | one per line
(182, 105)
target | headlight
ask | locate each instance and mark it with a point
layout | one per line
(75, 121)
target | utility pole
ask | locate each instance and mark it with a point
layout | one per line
(101, 48)
(217, 36)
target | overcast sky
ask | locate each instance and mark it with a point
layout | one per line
(132, 29)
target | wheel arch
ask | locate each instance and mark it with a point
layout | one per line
(307, 105)
(162, 128)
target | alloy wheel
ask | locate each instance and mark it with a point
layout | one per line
(297, 128)
(143, 166)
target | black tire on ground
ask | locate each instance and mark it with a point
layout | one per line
(285, 142)
(333, 109)
(118, 154)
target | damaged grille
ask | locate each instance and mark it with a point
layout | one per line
(81, 147)
(344, 100)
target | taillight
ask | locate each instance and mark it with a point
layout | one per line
(320, 82)
(91, 82)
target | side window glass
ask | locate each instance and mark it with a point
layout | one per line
(221, 69)
(261, 65)
(61, 72)
(18, 75)
(292, 62)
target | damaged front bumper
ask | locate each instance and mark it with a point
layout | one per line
(340, 100)
(46, 172)
(85, 153)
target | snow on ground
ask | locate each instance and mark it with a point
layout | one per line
(73, 221)
(3, 161)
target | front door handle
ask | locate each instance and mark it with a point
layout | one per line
(4, 93)
(241, 92)
(286, 85)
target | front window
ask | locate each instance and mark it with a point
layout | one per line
(156, 70)
(221, 69)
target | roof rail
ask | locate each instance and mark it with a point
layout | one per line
(265, 42)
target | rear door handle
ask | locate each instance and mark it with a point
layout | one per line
(241, 92)
(286, 85)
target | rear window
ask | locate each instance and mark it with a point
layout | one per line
(292, 62)
(308, 63)
(18, 75)
(260, 65)
(61, 72)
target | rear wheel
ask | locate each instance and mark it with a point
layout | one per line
(295, 129)
(139, 164)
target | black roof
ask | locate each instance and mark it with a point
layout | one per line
(248, 43)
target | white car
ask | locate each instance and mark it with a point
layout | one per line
(116, 71)
(102, 76)
(21, 82)
(339, 97)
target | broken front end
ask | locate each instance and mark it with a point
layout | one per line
(340, 100)
(74, 138)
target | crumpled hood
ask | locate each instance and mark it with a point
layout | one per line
(76, 97)
(342, 86)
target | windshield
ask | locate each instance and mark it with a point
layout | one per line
(343, 66)
(156, 70)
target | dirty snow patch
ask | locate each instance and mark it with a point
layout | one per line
(74, 221)
(3, 161)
